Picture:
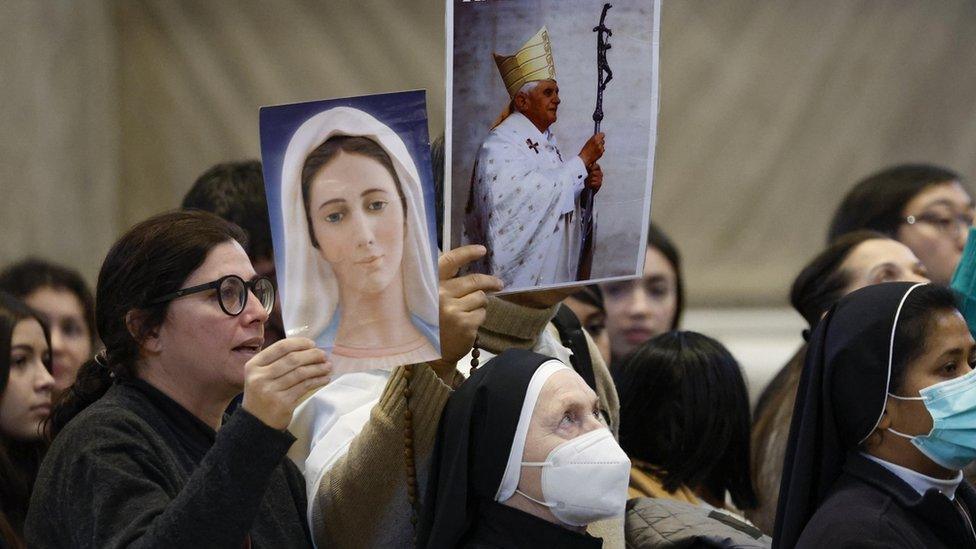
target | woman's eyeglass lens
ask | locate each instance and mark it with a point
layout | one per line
(232, 293)
(946, 224)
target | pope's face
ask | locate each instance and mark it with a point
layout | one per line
(358, 221)
(540, 104)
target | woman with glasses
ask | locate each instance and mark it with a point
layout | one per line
(142, 453)
(925, 207)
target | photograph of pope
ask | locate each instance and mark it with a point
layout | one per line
(524, 200)
(557, 186)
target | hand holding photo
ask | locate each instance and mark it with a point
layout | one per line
(351, 219)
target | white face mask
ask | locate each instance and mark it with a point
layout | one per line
(584, 479)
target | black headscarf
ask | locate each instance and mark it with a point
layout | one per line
(839, 401)
(474, 439)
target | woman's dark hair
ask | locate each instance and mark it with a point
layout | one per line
(659, 241)
(592, 295)
(327, 151)
(152, 259)
(821, 283)
(19, 460)
(878, 201)
(26, 277)
(917, 316)
(235, 192)
(684, 411)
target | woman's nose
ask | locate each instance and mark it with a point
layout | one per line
(43, 381)
(254, 309)
(364, 231)
(592, 423)
(639, 303)
(57, 340)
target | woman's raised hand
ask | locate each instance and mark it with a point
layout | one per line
(277, 378)
(462, 306)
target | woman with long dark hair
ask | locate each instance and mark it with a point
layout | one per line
(684, 421)
(25, 402)
(142, 453)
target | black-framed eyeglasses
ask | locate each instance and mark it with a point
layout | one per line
(951, 225)
(232, 292)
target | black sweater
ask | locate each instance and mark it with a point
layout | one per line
(136, 469)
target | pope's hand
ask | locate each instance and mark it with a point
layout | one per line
(594, 178)
(462, 306)
(593, 149)
(276, 379)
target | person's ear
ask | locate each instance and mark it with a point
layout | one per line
(885, 422)
(148, 339)
(877, 436)
(521, 101)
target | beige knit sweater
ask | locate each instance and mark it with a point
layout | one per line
(362, 500)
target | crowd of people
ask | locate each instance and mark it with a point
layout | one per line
(170, 409)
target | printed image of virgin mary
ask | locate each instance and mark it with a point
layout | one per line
(359, 272)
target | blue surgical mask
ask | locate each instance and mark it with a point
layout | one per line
(952, 404)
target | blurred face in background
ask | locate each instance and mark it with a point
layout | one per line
(640, 309)
(936, 224)
(71, 337)
(881, 260)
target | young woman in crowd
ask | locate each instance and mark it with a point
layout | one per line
(684, 421)
(25, 402)
(927, 208)
(882, 426)
(63, 298)
(853, 261)
(142, 454)
(640, 309)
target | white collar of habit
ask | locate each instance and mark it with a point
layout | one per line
(921, 483)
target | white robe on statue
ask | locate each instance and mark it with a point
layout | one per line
(524, 206)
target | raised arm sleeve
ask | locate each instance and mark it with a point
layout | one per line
(111, 488)
(361, 500)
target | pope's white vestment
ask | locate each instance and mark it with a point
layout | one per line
(524, 206)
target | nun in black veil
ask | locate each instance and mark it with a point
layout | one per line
(522, 459)
(885, 419)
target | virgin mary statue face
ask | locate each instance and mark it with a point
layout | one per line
(358, 221)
